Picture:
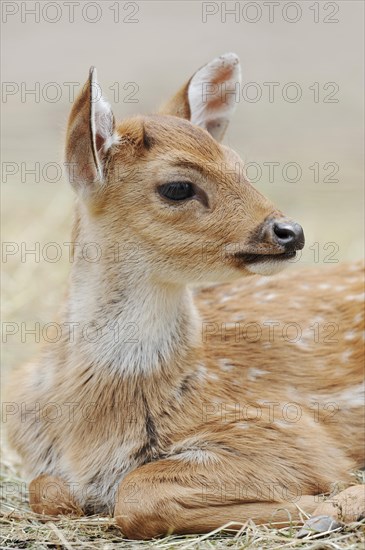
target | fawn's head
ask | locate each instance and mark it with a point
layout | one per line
(164, 184)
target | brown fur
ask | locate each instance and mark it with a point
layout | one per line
(189, 426)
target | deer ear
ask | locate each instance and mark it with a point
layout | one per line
(210, 96)
(90, 134)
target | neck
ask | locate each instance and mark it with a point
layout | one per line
(127, 321)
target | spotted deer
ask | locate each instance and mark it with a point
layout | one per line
(169, 411)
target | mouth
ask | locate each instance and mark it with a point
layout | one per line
(248, 258)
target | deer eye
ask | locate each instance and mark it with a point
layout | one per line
(177, 190)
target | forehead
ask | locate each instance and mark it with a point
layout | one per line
(177, 135)
(178, 143)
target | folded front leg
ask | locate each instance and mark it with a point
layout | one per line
(174, 496)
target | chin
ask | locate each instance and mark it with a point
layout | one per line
(267, 268)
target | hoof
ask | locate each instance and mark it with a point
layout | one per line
(335, 512)
(319, 524)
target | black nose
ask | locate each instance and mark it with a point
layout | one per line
(289, 235)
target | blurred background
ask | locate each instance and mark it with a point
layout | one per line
(298, 125)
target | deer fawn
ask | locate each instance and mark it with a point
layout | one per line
(159, 403)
